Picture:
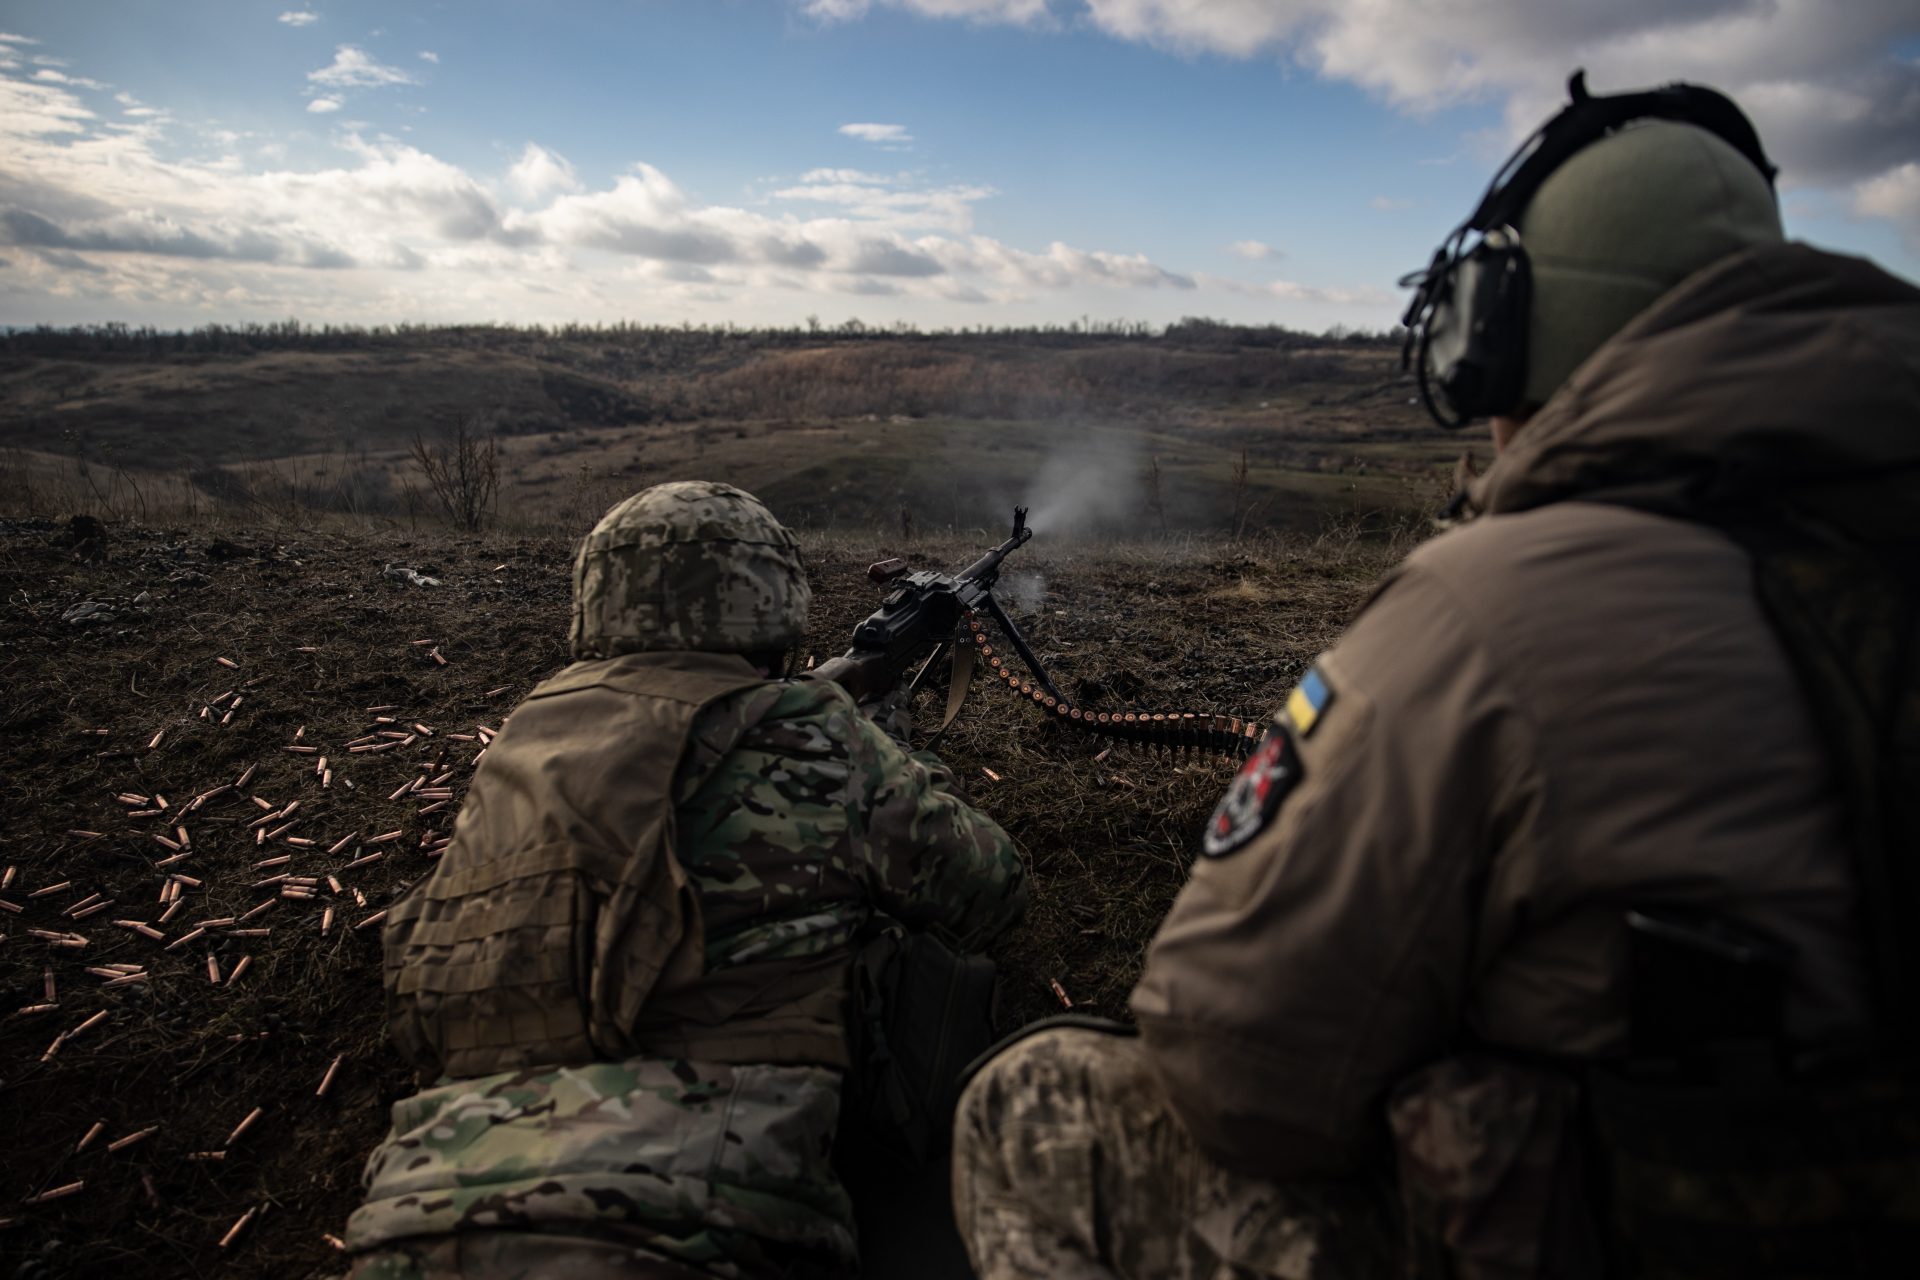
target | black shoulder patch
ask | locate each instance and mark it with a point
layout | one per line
(1250, 803)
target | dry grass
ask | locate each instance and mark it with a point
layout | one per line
(1191, 623)
(832, 433)
(252, 502)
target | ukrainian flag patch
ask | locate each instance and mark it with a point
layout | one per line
(1309, 701)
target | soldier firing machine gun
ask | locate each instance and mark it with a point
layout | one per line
(926, 610)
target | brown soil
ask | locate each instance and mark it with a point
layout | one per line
(320, 638)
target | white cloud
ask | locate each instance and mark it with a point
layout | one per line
(299, 17)
(1389, 204)
(50, 76)
(428, 55)
(352, 68)
(851, 175)
(889, 200)
(1252, 250)
(113, 218)
(539, 171)
(1294, 291)
(1895, 196)
(1832, 103)
(29, 110)
(891, 136)
(321, 106)
(1015, 11)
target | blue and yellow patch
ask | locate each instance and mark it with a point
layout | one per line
(1309, 701)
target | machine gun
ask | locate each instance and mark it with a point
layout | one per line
(940, 612)
(925, 609)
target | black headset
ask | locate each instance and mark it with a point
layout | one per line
(1468, 318)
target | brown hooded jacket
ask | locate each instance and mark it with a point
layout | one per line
(1571, 706)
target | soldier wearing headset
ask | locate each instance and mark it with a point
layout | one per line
(1561, 925)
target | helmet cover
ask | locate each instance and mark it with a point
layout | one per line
(690, 565)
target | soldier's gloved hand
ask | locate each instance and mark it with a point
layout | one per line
(894, 714)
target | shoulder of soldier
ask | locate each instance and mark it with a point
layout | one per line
(1426, 625)
(1520, 538)
(811, 716)
(1500, 570)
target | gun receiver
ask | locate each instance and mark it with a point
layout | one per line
(922, 611)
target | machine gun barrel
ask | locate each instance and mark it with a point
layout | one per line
(983, 571)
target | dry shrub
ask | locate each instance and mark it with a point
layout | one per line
(462, 471)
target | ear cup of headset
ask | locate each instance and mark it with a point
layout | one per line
(1474, 352)
(1471, 313)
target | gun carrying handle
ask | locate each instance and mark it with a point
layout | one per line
(865, 674)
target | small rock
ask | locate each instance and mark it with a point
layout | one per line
(88, 611)
(405, 574)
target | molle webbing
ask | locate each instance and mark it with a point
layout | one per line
(559, 911)
(485, 966)
(790, 1011)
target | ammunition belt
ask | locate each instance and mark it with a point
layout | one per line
(1173, 730)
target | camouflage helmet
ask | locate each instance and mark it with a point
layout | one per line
(688, 565)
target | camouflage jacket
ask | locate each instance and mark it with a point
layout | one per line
(801, 822)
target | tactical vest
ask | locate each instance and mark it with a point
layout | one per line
(560, 928)
(1774, 1160)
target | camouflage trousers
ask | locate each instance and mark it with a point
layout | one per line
(1068, 1162)
(514, 1255)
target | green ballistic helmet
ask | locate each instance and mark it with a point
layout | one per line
(690, 565)
(1623, 221)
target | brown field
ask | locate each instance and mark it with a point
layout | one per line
(1212, 598)
(951, 429)
(319, 637)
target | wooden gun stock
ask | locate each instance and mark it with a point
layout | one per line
(864, 673)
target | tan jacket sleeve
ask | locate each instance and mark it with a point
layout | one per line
(1299, 976)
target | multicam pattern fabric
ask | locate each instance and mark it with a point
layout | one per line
(797, 821)
(724, 1168)
(516, 1255)
(1068, 1162)
(688, 565)
(816, 819)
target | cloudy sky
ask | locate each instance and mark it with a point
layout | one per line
(944, 162)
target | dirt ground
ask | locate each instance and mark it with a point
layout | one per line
(215, 674)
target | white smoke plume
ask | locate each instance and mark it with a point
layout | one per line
(1089, 484)
(1022, 589)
